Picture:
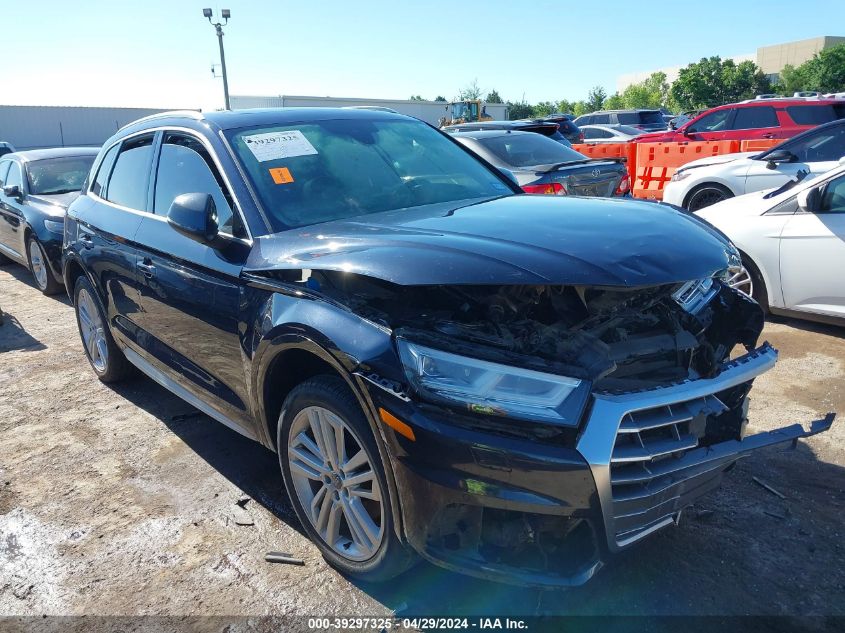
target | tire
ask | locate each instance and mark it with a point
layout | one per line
(106, 359)
(706, 195)
(40, 267)
(325, 402)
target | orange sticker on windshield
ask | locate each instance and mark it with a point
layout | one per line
(281, 175)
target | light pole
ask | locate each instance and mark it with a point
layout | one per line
(225, 14)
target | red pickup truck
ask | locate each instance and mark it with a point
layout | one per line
(755, 119)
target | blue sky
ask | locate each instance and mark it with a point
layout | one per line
(158, 53)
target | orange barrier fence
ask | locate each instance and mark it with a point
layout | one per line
(759, 144)
(651, 165)
(656, 162)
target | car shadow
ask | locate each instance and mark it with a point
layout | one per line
(705, 566)
(22, 274)
(13, 336)
(811, 327)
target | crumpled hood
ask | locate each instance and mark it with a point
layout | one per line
(717, 160)
(55, 204)
(517, 239)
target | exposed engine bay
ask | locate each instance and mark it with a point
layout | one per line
(621, 339)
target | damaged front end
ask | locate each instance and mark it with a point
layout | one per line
(555, 424)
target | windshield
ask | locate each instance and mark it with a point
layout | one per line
(526, 150)
(306, 173)
(58, 175)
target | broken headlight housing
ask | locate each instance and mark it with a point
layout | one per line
(488, 388)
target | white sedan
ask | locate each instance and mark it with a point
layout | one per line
(792, 242)
(609, 133)
(710, 180)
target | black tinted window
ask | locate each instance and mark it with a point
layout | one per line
(130, 176)
(811, 115)
(104, 171)
(186, 167)
(523, 150)
(755, 118)
(817, 146)
(598, 119)
(833, 199)
(58, 175)
(713, 122)
(596, 133)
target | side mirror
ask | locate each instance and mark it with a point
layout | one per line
(779, 156)
(12, 192)
(672, 125)
(686, 131)
(507, 173)
(194, 215)
(808, 200)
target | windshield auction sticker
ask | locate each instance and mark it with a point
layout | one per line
(278, 145)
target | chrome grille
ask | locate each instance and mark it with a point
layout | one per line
(650, 482)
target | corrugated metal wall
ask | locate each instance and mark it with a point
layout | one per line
(429, 111)
(32, 127)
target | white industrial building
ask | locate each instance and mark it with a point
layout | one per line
(428, 111)
(33, 127)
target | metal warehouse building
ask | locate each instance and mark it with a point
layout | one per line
(428, 111)
(32, 127)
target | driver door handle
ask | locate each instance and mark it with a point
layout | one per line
(147, 268)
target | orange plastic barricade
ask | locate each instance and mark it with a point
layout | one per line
(656, 162)
(758, 144)
(602, 150)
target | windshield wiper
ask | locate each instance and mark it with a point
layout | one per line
(789, 184)
(56, 192)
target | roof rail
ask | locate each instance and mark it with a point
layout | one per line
(192, 114)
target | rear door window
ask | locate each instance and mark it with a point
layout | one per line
(598, 119)
(130, 176)
(754, 118)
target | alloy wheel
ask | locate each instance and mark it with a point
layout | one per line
(37, 264)
(336, 483)
(740, 279)
(93, 331)
(705, 198)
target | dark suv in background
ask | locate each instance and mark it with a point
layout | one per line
(551, 130)
(646, 120)
(498, 382)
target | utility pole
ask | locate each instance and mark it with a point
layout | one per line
(225, 14)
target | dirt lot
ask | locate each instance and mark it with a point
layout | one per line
(110, 505)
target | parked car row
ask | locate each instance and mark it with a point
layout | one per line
(512, 386)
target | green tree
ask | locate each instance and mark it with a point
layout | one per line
(581, 107)
(792, 80)
(825, 72)
(416, 98)
(493, 97)
(565, 107)
(614, 102)
(595, 98)
(470, 92)
(519, 110)
(544, 108)
(439, 98)
(653, 92)
(712, 81)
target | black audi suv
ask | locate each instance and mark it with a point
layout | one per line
(512, 386)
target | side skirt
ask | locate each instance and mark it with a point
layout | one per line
(134, 358)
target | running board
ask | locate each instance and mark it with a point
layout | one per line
(176, 389)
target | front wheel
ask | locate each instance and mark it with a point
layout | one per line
(40, 268)
(336, 481)
(707, 195)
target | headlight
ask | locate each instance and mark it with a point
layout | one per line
(55, 227)
(489, 388)
(679, 176)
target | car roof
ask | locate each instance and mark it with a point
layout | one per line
(501, 125)
(54, 152)
(624, 110)
(235, 119)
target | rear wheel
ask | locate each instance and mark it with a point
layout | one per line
(336, 481)
(40, 267)
(706, 195)
(106, 359)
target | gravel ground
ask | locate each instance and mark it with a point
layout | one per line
(110, 505)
